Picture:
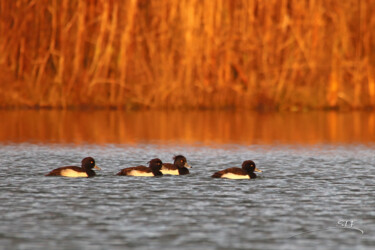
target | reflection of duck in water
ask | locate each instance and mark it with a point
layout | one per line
(246, 172)
(153, 169)
(85, 170)
(179, 167)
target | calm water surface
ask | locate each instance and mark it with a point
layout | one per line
(301, 200)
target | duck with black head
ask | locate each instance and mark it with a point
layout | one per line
(85, 170)
(246, 172)
(153, 169)
(178, 167)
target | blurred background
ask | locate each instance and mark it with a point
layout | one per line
(199, 71)
(264, 55)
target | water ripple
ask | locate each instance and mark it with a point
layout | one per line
(296, 203)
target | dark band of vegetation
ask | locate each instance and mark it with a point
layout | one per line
(276, 54)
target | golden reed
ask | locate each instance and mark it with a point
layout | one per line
(274, 54)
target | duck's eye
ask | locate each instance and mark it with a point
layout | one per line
(182, 160)
(92, 162)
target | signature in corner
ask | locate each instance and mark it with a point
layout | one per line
(343, 224)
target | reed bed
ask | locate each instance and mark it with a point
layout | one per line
(199, 127)
(274, 54)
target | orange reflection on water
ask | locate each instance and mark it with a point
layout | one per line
(189, 127)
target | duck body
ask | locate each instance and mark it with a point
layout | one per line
(137, 171)
(246, 172)
(234, 173)
(179, 167)
(85, 170)
(152, 170)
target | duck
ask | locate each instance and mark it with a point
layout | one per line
(246, 172)
(153, 169)
(179, 167)
(87, 164)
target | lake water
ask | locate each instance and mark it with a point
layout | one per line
(316, 191)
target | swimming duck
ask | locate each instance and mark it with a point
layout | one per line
(246, 172)
(85, 170)
(153, 169)
(179, 167)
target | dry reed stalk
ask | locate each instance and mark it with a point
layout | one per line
(125, 41)
(371, 86)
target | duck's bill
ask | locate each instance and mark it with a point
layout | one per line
(97, 168)
(258, 170)
(187, 165)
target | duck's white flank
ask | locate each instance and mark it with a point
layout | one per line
(169, 171)
(140, 173)
(72, 173)
(235, 176)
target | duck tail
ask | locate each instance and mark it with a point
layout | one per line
(121, 173)
(216, 175)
